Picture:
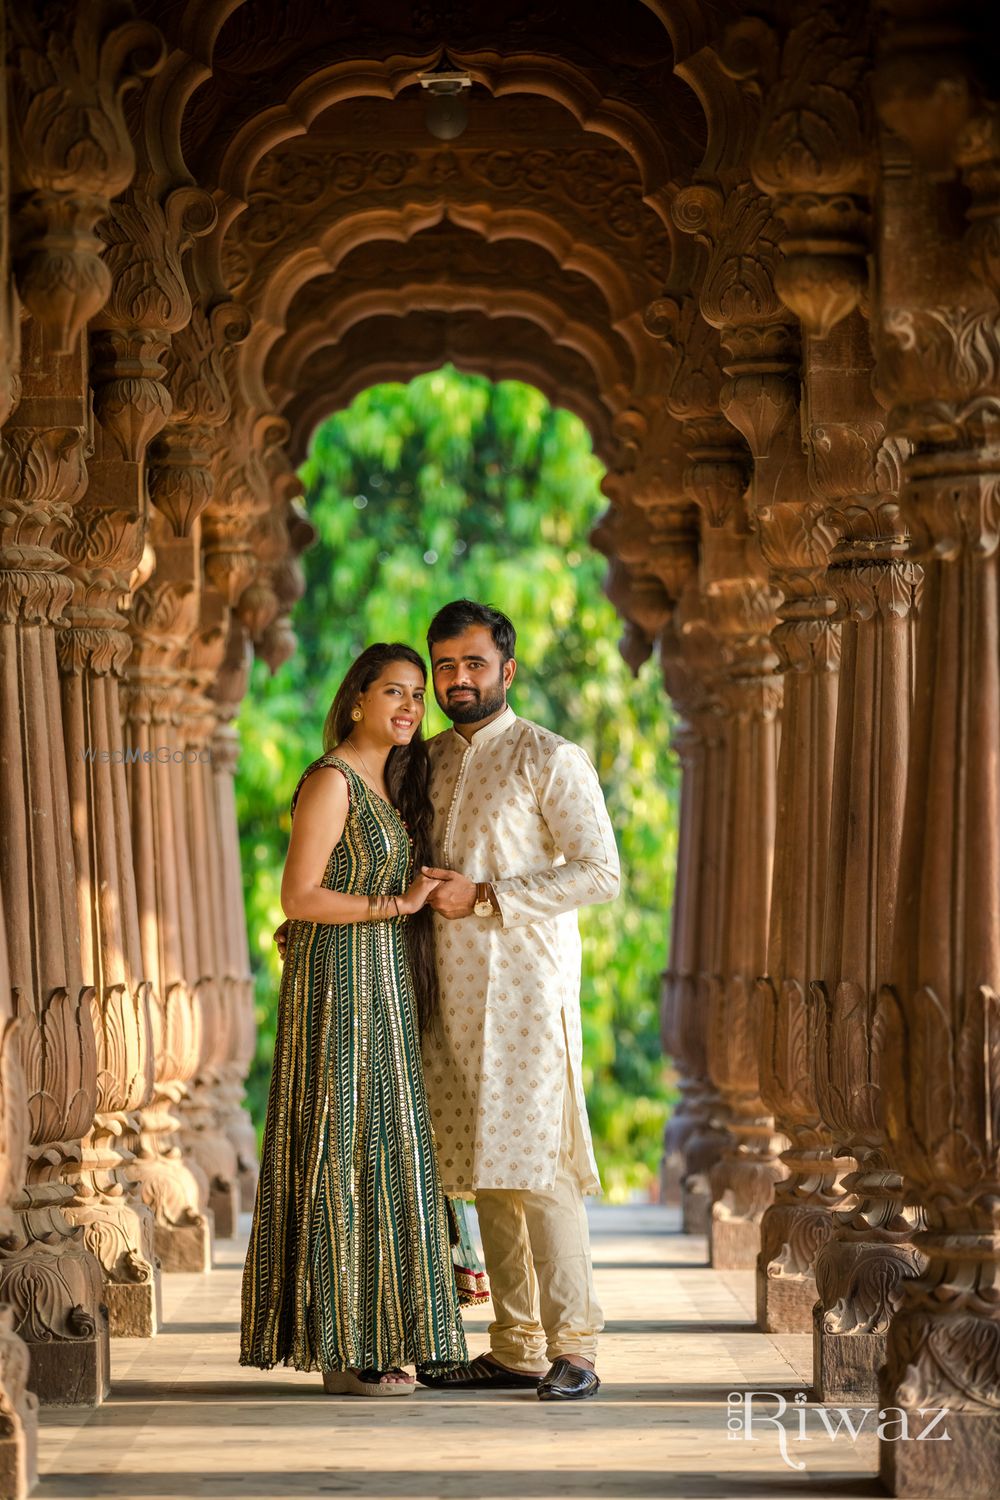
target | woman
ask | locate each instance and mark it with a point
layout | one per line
(349, 1268)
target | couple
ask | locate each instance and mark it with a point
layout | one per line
(431, 891)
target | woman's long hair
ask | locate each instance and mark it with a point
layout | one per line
(408, 778)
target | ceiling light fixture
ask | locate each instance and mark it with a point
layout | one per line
(445, 111)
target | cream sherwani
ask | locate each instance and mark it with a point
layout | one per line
(522, 808)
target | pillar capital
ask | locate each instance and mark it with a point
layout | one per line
(71, 151)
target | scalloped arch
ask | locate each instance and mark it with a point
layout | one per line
(554, 377)
(496, 302)
(400, 224)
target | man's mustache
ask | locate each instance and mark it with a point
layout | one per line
(474, 691)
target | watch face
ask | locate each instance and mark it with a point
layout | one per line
(483, 908)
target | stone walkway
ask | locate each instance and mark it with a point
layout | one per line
(185, 1420)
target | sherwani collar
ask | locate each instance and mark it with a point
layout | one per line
(489, 731)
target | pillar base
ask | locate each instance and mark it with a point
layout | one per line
(248, 1188)
(733, 1243)
(785, 1303)
(963, 1468)
(19, 1457)
(72, 1372)
(135, 1309)
(186, 1246)
(846, 1365)
(224, 1201)
(671, 1175)
(19, 1440)
(696, 1204)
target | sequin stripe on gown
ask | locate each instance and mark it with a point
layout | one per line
(349, 1263)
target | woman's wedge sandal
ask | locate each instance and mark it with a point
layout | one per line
(480, 1374)
(366, 1383)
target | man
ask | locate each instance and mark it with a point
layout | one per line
(523, 839)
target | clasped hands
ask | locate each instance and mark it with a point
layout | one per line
(453, 896)
(448, 892)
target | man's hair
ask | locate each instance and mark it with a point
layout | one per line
(462, 614)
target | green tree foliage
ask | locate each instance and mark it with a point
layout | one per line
(452, 486)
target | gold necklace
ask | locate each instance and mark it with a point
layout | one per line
(364, 767)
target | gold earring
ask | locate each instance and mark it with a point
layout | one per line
(357, 715)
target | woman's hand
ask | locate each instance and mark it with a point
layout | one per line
(415, 898)
(281, 938)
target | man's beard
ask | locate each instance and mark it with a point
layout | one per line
(481, 706)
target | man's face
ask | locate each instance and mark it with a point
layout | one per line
(470, 680)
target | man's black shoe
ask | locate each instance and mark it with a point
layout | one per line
(566, 1382)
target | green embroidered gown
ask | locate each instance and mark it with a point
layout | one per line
(349, 1263)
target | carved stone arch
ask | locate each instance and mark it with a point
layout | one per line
(460, 256)
(616, 265)
(610, 372)
(399, 348)
(318, 193)
(190, 30)
(625, 286)
(653, 116)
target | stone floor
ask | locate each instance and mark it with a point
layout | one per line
(185, 1420)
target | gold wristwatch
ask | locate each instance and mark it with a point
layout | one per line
(483, 906)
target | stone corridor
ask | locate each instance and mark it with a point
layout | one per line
(185, 1420)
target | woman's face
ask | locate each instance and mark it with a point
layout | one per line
(393, 706)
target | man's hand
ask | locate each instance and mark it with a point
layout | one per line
(281, 938)
(454, 897)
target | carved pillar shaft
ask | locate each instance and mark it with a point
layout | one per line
(19, 1406)
(812, 158)
(117, 1226)
(748, 374)
(228, 691)
(939, 324)
(740, 607)
(204, 1140)
(164, 614)
(688, 655)
(860, 1270)
(677, 992)
(42, 474)
(796, 542)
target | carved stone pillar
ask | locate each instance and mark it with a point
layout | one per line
(939, 354)
(745, 696)
(19, 1435)
(164, 615)
(796, 541)
(147, 301)
(811, 156)
(676, 994)
(52, 1281)
(860, 1271)
(102, 547)
(228, 692)
(19, 1438)
(667, 554)
(202, 1136)
(740, 607)
(695, 1135)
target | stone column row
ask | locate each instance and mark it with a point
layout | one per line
(130, 986)
(875, 510)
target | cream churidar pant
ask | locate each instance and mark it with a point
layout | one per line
(537, 1251)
